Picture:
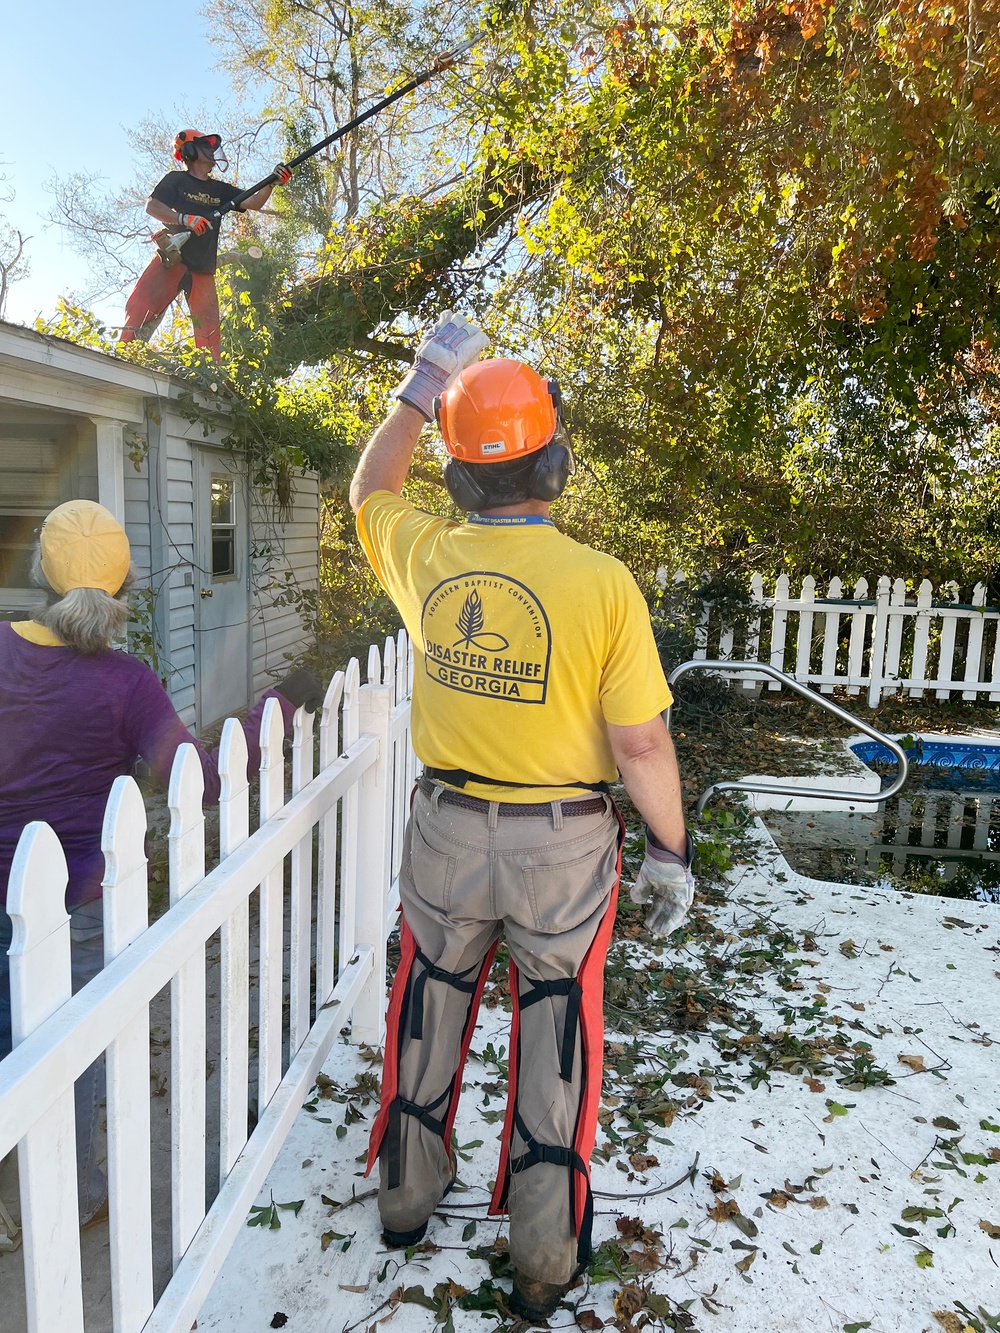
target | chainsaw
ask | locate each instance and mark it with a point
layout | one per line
(168, 242)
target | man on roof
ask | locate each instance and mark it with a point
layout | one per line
(537, 681)
(184, 201)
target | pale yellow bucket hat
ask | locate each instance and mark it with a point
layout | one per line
(84, 546)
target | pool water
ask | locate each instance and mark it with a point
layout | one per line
(928, 840)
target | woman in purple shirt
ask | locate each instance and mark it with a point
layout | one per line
(74, 715)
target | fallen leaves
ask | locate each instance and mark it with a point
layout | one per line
(991, 1229)
(914, 1062)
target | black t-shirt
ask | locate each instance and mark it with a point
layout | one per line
(185, 193)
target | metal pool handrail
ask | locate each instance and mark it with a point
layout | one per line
(776, 789)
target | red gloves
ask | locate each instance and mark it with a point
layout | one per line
(194, 223)
(283, 173)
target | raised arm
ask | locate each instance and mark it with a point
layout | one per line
(386, 459)
(452, 344)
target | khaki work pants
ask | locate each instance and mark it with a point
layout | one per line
(548, 881)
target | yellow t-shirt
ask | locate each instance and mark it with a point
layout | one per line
(526, 644)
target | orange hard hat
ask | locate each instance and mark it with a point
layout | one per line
(186, 144)
(498, 410)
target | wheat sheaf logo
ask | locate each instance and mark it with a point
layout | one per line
(513, 665)
(471, 627)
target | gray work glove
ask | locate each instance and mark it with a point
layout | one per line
(666, 883)
(302, 689)
(453, 343)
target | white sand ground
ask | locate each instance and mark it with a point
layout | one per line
(916, 977)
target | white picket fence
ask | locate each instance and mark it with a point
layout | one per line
(881, 644)
(322, 936)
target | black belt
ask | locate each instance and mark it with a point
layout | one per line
(590, 805)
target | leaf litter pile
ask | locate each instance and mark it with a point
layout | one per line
(738, 1057)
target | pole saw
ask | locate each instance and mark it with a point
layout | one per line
(169, 243)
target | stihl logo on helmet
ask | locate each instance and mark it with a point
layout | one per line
(498, 409)
(188, 142)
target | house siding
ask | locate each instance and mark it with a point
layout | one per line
(282, 549)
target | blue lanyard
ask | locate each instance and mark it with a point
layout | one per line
(511, 521)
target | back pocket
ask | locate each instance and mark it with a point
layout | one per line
(567, 893)
(431, 872)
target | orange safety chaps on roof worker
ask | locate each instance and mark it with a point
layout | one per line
(190, 204)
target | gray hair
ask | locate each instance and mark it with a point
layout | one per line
(87, 619)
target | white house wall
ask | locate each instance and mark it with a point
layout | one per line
(279, 548)
(175, 581)
(137, 516)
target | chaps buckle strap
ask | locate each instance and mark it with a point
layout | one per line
(557, 1156)
(433, 973)
(394, 1131)
(571, 988)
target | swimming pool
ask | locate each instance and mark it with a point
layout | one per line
(941, 835)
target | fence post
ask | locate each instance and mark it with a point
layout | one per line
(375, 792)
(351, 730)
(126, 916)
(326, 873)
(39, 984)
(301, 893)
(186, 849)
(272, 912)
(234, 955)
(877, 663)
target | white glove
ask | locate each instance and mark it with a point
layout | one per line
(666, 883)
(453, 343)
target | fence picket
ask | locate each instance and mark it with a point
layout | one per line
(373, 868)
(349, 816)
(946, 654)
(301, 890)
(921, 637)
(803, 641)
(879, 630)
(272, 912)
(234, 959)
(326, 886)
(974, 649)
(831, 637)
(46, 1156)
(186, 844)
(894, 637)
(856, 645)
(752, 648)
(126, 916)
(779, 626)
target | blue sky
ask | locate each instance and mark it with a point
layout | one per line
(75, 76)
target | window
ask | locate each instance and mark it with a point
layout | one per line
(17, 541)
(223, 528)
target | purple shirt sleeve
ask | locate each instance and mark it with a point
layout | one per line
(157, 733)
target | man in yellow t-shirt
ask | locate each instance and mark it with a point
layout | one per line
(537, 681)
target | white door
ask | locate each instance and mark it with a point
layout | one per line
(222, 592)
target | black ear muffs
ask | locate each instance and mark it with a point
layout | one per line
(463, 486)
(554, 465)
(189, 151)
(475, 486)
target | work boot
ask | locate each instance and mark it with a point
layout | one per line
(402, 1240)
(533, 1300)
